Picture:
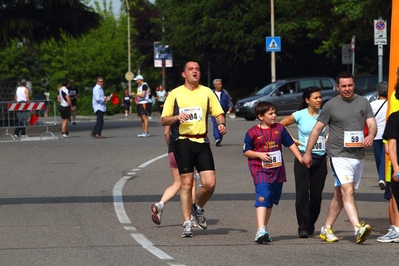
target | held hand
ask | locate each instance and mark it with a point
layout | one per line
(307, 160)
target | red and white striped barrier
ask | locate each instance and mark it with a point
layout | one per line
(26, 106)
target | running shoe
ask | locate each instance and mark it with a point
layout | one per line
(65, 136)
(143, 135)
(193, 221)
(381, 184)
(156, 213)
(262, 235)
(391, 236)
(187, 230)
(199, 217)
(218, 142)
(327, 234)
(361, 232)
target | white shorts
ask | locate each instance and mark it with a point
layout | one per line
(346, 170)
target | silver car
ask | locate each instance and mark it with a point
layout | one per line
(285, 95)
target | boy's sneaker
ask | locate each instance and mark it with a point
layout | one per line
(381, 183)
(327, 234)
(361, 232)
(24, 136)
(15, 136)
(391, 236)
(262, 235)
(143, 135)
(65, 136)
(156, 213)
(193, 221)
(187, 230)
(199, 217)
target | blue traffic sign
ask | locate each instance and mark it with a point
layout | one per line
(273, 44)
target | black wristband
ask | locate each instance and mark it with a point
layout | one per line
(224, 124)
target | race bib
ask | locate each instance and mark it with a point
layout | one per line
(276, 160)
(353, 139)
(320, 144)
(194, 112)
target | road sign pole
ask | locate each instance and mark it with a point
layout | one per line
(380, 59)
(273, 59)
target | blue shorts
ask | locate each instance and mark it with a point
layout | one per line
(268, 194)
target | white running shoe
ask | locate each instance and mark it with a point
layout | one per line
(327, 234)
(391, 236)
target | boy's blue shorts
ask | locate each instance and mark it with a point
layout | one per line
(268, 194)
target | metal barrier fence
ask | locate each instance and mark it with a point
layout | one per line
(32, 114)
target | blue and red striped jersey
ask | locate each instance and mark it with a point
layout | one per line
(267, 140)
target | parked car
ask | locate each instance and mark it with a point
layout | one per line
(371, 96)
(367, 83)
(285, 94)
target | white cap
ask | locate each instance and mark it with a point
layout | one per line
(138, 77)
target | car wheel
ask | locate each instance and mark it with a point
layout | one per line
(249, 118)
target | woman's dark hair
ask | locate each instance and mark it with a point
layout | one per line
(306, 95)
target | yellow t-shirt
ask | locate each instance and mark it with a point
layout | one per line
(199, 103)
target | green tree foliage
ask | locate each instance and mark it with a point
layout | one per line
(101, 52)
(229, 36)
(39, 20)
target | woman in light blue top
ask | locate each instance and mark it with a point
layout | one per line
(309, 182)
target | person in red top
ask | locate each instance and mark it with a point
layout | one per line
(263, 147)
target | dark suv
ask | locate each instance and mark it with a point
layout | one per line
(285, 94)
(367, 83)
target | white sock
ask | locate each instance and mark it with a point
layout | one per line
(161, 204)
(395, 228)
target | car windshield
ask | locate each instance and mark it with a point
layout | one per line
(269, 88)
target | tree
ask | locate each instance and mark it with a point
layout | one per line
(40, 20)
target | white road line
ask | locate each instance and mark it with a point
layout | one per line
(124, 219)
(148, 245)
(118, 200)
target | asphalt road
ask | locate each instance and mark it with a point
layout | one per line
(85, 201)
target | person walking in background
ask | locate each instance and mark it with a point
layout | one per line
(379, 108)
(346, 115)
(309, 182)
(99, 106)
(263, 148)
(73, 94)
(225, 102)
(142, 105)
(65, 109)
(171, 191)
(150, 103)
(21, 95)
(160, 99)
(186, 110)
(127, 101)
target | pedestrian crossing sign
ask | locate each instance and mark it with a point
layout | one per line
(273, 44)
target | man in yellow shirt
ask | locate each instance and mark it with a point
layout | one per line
(186, 110)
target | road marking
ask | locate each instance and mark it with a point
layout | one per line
(118, 200)
(124, 219)
(148, 245)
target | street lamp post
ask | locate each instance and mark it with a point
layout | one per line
(128, 45)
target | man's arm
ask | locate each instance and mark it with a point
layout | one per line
(372, 125)
(393, 158)
(314, 135)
